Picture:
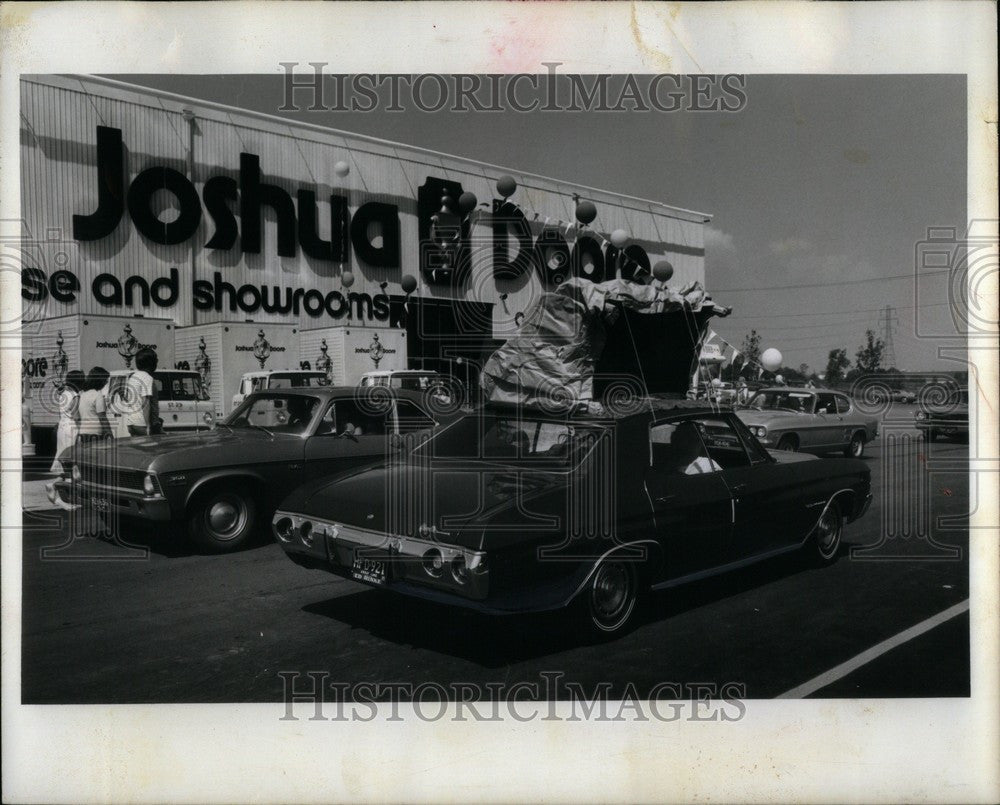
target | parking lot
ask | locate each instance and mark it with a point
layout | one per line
(102, 623)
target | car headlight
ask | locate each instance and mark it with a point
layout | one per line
(149, 487)
(760, 431)
(75, 473)
(921, 415)
(459, 569)
(209, 417)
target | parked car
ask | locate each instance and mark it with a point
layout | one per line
(949, 417)
(812, 420)
(223, 482)
(903, 396)
(509, 511)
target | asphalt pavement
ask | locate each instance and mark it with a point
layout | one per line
(104, 623)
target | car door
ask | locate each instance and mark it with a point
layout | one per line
(768, 510)
(349, 434)
(692, 510)
(829, 425)
(848, 418)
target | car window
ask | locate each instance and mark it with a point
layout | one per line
(779, 400)
(275, 412)
(843, 404)
(348, 417)
(757, 452)
(678, 448)
(411, 418)
(725, 447)
(826, 404)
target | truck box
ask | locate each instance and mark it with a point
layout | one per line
(346, 352)
(223, 351)
(52, 347)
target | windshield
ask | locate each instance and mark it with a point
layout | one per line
(503, 439)
(276, 413)
(172, 386)
(779, 400)
(295, 380)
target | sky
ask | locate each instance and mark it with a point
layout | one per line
(820, 190)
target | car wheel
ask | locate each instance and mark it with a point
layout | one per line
(827, 534)
(610, 599)
(222, 519)
(789, 443)
(856, 448)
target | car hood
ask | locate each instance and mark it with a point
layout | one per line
(219, 446)
(752, 416)
(444, 497)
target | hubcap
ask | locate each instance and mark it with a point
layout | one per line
(828, 533)
(856, 447)
(611, 594)
(225, 517)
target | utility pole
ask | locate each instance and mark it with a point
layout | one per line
(889, 323)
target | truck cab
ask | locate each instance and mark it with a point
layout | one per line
(183, 401)
(277, 379)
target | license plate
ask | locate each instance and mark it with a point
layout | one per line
(370, 570)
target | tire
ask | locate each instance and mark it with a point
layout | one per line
(222, 518)
(789, 443)
(825, 541)
(608, 602)
(856, 448)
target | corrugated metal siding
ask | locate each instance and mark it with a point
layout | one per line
(59, 120)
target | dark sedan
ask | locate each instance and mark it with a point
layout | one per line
(507, 511)
(944, 415)
(222, 483)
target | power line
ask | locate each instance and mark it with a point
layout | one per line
(836, 312)
(787, 286)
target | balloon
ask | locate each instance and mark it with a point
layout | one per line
(716, 382)
(770, 359)
(347, 279)
(342, 169)
(586, 212)
(409, 283)
(506, 186)
(619, 238)
(663, 270)
(467, 202)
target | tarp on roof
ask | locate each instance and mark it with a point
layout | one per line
(585, 343)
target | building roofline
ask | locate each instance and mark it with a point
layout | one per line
(123, 86)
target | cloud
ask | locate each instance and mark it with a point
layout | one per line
(720, 253)
(789, 246)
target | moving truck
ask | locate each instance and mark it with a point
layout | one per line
(347, 352)
(54, 346)
(223, 352)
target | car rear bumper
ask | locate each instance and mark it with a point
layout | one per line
(107, 499)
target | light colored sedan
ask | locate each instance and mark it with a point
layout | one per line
(811, 420)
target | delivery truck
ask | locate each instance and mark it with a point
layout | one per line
(53, 347)
(347, 352)
(223, 352)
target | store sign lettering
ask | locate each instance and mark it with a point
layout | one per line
(249, 194)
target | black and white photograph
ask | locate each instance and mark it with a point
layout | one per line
(410, 424)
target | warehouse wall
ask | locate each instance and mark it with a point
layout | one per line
(60, 116)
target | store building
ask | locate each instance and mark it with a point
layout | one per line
(143, 203)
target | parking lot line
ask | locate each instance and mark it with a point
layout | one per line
(865, 657)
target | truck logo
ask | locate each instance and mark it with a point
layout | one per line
(60, 361)
(261, 348)
(203, 365)
(324, 364)
(375, 350)
(128, 345)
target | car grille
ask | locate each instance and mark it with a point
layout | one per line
(117, 477)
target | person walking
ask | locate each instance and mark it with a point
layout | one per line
(93, 408)
(141, 409)
(69, 416)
